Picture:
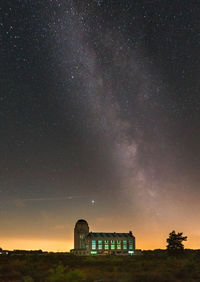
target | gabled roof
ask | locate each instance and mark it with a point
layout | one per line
(110, 235)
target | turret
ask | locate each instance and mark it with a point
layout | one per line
(81, 231)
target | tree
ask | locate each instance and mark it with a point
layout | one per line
(175, 242)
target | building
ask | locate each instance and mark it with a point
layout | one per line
(101, 243)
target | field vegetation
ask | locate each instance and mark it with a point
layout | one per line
(150, 266)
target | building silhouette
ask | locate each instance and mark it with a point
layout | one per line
(101, 243)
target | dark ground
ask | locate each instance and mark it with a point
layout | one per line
(150, 266)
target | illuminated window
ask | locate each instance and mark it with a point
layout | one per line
(118, 245)
(112, 245)
(100, 246)
(94, 245)
(130, 245)
(124, 245)
(106, 245)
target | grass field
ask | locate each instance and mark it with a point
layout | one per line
(150, 266)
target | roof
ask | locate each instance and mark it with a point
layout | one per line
(81, 221)
(110, 235)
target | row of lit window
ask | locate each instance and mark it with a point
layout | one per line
(113, 245)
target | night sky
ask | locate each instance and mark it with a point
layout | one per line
(99, 119)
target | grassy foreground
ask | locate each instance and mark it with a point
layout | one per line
(151, 266)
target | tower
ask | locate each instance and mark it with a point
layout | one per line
(81, 231)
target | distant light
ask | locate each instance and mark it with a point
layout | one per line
(93, 202)
(131, 252)
(93, 252)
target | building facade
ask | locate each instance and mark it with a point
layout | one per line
(101, 243)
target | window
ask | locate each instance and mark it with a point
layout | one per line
(130, 245)
(82, 241)
(100, 247)
(118, 244)
(94, 245)
(112, 244)
(124, 245)
(106, 245)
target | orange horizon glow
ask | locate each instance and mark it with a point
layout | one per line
(36, 244)
(65, 245)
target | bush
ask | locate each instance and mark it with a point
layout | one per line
(75, 275)
(60, 274)
(28, 279)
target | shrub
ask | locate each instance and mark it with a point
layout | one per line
(58, 274)
(75, 275)
(28, 279)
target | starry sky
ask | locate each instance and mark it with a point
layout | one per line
(99, 119)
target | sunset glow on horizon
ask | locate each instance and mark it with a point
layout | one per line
(64, 243)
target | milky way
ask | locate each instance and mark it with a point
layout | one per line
(100, 118)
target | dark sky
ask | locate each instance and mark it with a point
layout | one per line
(99, 118)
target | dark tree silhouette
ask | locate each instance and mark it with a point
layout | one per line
(175, 242)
